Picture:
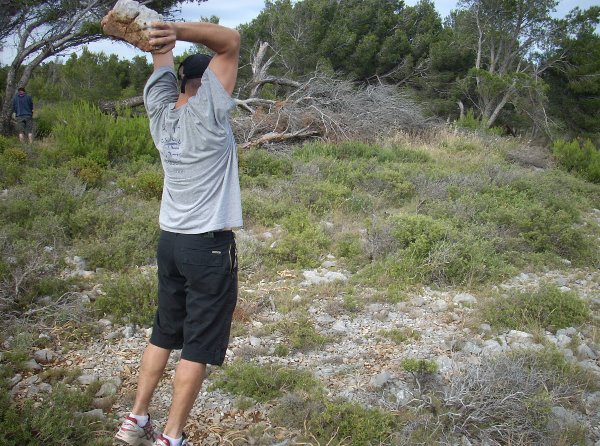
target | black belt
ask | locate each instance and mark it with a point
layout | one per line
(215, 234)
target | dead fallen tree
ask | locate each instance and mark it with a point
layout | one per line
(113, 107)
(330, 109)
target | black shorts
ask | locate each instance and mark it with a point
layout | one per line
(197, 293)
(25, 124)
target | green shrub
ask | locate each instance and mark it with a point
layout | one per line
(419, 366)
(352, 424)
(348, 150)
(265, 207)
(130, 296)
(579, 156)
(45, 120)
(51, 286)
(82, 130)
(15, 156)
(301, 333)
(118, 234)
(7, 142)
(419, 234)
(349, 247)
(469, 121)
(528, 217)
(257, 162)
(12, 166)
(321, 197)
(87, 170)
(294, 409)
(264, 383)
(432, 251)
(548, 308)
(390, 182)
(147, 184)
(353, 150)
(302, 244)
(281, 350)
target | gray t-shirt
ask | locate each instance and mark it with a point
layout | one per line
(201, 191)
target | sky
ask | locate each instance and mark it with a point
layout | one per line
(236, 12)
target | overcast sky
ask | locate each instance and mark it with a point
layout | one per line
(235, 12)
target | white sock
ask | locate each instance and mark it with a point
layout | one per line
(141, 419)
(173, 441)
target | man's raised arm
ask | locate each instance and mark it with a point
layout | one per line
(225, 42)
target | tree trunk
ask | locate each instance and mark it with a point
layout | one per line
(9, 92)
(461, 106)
(111, 107)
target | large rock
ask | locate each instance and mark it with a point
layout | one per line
(129, 21)
(44, 356)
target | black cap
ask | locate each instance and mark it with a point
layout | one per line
(192, 67)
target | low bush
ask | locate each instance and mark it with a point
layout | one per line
(353, 150)
(301, 244)
(265, 207)
(434, 251)
(349, 247)
(118, 234)
(419, 366)
(321, 197)
(147, 183)
(25, 264)
(349, 150)
(471, 122)
(87, 170)
(301, 334)
(264, 383)
(45, 120)
(12, 164)
(257, 163)
(82, 130)
(525, 219)
(130, 297)
(580, 157)
(7, 142)
(352, 424)
(548, 308)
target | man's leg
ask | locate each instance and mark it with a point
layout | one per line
(153, 366)
(21, 137)
(30, 135)
(188, 381)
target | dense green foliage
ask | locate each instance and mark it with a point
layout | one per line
(548, 308)
(264, 383)
(580, 157)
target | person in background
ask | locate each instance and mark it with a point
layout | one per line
(23, 109)
(201, 204)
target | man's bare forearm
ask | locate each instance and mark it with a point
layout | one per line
(216, 37)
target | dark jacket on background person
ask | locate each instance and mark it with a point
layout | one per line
(22, 105)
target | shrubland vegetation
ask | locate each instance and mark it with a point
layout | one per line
(443, 209)
(425, 206)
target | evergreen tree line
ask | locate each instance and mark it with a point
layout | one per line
(499, 63)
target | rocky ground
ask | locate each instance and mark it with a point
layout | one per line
(358, 364)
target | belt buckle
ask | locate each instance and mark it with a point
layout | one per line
(210, 234)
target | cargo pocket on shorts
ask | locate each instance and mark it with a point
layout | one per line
(206, 270)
